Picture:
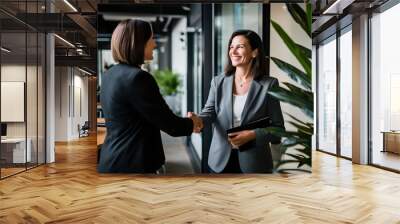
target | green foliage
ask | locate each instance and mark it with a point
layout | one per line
(299, 96)
(167, 81)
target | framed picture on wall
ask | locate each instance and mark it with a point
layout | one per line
(12, 101)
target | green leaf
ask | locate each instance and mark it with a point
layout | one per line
(294, 73)
(289, 97)
(299, 15)
(300, 56)
(304, 129)
(301, 92)
(305, 50)
(311, 125)
(284, 171)
(296, 156)
(292, 137)
(281, 132)
(302, 159)
(305, 151)
(306, 144)
(167, 81)
(309, 15)
(306, 161)
(287, 161)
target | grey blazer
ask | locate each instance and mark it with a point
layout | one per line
(218, 111)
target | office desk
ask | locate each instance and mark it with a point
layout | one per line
(391, 141)
(13, 150)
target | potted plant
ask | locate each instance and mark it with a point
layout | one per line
(169, 84)
(300, 96)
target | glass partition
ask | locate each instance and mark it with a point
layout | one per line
(41, 96)
(14, 154)
(346, 93)
(22, 87)
(31, 98)
(327, 96)
(230, 17)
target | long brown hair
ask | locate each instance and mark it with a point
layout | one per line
(258, 64)
(129, 40)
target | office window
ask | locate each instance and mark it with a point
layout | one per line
(327, 96)
(385, 88)
(346, 93)
(230, 17)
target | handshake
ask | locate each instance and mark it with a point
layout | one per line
(197, 122)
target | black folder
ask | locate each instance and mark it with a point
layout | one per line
(260, 123)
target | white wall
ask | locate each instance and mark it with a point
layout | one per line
(80, 84)
(71, 96)
(61, 103)
(179, 60)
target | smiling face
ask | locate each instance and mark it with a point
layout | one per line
(148, 49)
(240, 51)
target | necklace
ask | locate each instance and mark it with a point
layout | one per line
(241, 82)
(244, 81)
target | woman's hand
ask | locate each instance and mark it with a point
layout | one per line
(197, 122)
(242, 137)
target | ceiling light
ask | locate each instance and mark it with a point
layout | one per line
(70, 5)
(84, 71)
(338, 6)
(331, 7)
(119, 17)
(5, 49)
(185, 8)
(65, 41)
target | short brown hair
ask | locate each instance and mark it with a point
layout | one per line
(258, 66)
(128, 41)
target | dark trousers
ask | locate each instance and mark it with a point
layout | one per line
(233, 165)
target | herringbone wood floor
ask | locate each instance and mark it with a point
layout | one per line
(71, 191)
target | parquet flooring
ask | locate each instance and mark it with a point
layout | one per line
(71, 191)
(10, 171)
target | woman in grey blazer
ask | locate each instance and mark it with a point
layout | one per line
(237, 97)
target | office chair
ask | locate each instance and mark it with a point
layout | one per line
(84, 130)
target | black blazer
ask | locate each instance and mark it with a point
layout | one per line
(135, 112)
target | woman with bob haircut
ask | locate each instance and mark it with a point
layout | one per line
(237, 97)
(134, 109)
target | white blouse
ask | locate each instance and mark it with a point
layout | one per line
(238, 105)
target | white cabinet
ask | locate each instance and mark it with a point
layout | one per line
(16, 149)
